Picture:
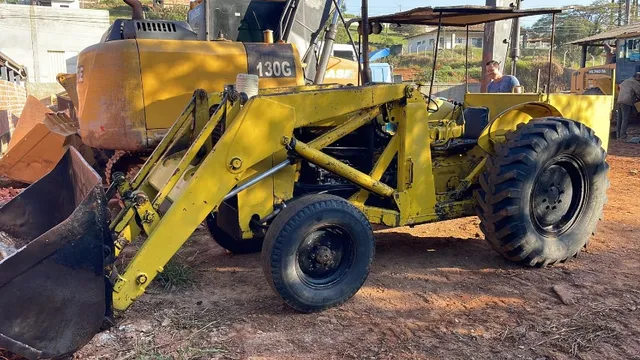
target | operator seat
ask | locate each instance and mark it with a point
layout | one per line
(475, 120)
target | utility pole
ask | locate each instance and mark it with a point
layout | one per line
(494, 44)
(515, 40)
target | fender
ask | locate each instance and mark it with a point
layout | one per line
(509, 119)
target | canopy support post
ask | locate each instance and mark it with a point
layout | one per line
(435, 56)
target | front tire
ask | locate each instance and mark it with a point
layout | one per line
(543, 192)
(317, 252)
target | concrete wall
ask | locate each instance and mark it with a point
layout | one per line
(454, 91)
(47, 40)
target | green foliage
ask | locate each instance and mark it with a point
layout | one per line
(173, 12)
(175, 275)
(577, 23)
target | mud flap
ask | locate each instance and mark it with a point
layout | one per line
(54, 246)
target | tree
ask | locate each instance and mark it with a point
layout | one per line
(573, 24)
(578, 22)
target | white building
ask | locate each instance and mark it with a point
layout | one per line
(47, 39)
(450, 37)
(536, 44)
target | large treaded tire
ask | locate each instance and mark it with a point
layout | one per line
(509, 203)
(283, 253)
(229, 243)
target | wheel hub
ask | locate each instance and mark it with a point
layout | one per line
(558, 195)
(323, 256)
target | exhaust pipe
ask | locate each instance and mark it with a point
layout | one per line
(136, 9)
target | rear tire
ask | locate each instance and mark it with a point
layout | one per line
(318, 252)
(543, 192)
(228, 242)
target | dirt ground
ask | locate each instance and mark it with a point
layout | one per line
(436, 291)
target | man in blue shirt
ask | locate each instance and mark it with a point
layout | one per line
(501, 83)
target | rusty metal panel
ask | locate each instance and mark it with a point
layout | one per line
(111, 112)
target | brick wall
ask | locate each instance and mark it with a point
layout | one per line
(12, 97)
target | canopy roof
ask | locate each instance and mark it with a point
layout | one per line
(617, 33)
(457, 15)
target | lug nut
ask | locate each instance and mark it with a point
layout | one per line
(141, 279)
(236, 163)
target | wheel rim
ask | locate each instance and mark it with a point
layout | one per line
(325, 256)
(558, 196)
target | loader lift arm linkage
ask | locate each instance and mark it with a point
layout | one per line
(142, 201)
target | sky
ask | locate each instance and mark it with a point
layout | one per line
(379, 7)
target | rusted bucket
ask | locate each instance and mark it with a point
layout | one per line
(54, 246)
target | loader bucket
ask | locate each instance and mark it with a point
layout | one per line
(54, 245)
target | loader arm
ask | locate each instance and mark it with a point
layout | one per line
(271, 118)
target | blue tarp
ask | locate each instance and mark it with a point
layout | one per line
(378, 54)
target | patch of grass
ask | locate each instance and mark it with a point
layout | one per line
(175, 275)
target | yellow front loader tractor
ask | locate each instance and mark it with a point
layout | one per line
(306, 170)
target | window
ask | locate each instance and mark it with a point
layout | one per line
(477, 42)
(633, 49)
(460, 40)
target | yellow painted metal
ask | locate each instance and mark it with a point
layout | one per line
(188, 157)
(591, 110)
(148, 216)
(164, 144)
(449, 171)
(379, 168)
(509, 119)
(593, 77)
(259, 199)
(509, 110)
(350, 125)
(260, 118)
(316, 106)
(498, 103)
(341, 71)
(472, 176)
(143, 84)
(338, 167)
(69, 82)
(380, 216)
(415, 175)
(256, 200)
(172, 69)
